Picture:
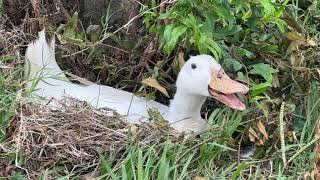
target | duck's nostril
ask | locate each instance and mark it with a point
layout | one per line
(245, 89)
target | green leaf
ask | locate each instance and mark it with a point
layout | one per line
(264, 70)
(227, 31)
(70, 30)
(241, 77)
(232, 64)
(260, 88)
(281, 24)
(246, 15)
(167, 32)
(243, 52)
(174, 36)
(268, 8)
(257, 98)
(270, 48)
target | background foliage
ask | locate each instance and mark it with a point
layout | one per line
(271, 45)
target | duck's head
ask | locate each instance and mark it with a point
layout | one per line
(202, 75)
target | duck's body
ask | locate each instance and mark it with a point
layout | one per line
(55, 85)
(194, 84)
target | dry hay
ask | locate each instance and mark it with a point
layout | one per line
(73, 136)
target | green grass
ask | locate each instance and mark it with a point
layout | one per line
(10, 91)
(287, 154)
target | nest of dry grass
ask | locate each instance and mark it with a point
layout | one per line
(74, 135)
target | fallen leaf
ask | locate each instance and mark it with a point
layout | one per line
(253, 135)
(133, 129)
(296, 59)
(262, 129)
(181, 60)
(295, 36)
(297, 40)
(260, 142)
(252, 138)
(154, 83)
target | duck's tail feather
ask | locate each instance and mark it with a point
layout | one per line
(40, 59)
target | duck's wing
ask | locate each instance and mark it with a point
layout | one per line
(125, 103)
(51, 82)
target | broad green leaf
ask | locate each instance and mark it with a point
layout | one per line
(175, 34)
(259, 88)
(246, 15)
(281, 24)
(268, 8)
(257, 98)
(279, 11)
(164, 16)
(241, 77)
(223, 12)
(264, 70)
(270, 48)
(243, 52)
(232, 64)
(187, 22)
(70, 30)
(227, 31)
(265, 37)
(167, 32)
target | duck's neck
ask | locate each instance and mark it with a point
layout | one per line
(185, 107)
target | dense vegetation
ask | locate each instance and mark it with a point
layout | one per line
(272, 46)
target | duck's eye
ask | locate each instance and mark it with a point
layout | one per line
(193, 66)
(220, 74)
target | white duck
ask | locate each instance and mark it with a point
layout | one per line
(200, 77)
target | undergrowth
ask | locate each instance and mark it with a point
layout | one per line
(269, 45)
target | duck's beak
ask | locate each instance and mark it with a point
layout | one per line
(223, 89)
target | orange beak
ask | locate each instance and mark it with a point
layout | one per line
(223, 89)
